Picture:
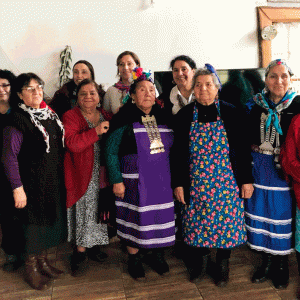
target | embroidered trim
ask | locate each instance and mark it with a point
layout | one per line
(267, 220)
(272, 188)
(145, 208)
(280, 236)
(147, 227)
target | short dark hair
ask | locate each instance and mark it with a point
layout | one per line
(89, 65)
(98, 87)
(10, 77)
(22, 81)
(185, 58)
(132, 54)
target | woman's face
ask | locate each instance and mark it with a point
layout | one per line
(88, 97)
(182, 74)
(278, 82)
(144, 96)
(205, 90)
(125, 67)
(4, 90)
(81, 72)
(32, 94)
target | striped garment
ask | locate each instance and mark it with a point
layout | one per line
(269, 213)
(145, 217)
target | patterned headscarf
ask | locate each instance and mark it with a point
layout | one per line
(276, 62)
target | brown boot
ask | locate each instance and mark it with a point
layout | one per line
(46, 268)
(32, 274)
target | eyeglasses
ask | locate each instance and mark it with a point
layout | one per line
(5, 86)
(31, 89)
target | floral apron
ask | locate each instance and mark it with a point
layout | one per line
(215, 216)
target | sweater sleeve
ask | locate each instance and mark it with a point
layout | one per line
(113, 143)
(12, 142)
(77, 139)
(290, 152)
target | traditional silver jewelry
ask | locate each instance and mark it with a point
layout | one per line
(156, 145)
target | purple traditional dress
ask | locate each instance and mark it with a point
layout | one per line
(145, 217)
(215, 216)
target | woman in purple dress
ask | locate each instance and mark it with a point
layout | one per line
(137, 158)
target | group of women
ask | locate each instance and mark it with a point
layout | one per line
(231, 171)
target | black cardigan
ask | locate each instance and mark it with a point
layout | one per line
(239, 147)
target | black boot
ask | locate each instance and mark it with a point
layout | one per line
(222, 272)
(12, 263)
(96, 254)
(196, 261)
(157, 261)
(135, 267)
(263, 271)
(79, 263)
(280, 272)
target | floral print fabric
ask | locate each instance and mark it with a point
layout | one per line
(215, 216)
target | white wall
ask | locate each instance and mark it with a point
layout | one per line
(220, 32)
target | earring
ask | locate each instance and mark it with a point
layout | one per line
(133, 102)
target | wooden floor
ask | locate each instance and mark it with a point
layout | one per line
(110, 280)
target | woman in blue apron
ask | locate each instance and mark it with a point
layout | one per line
(211, 174)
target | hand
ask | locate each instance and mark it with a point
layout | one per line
(119, 190)
(179, 194)
(20, 197)
(247, 191)
(102, 127)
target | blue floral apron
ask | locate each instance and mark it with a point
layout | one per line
(215, 216)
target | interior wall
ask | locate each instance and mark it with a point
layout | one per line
(223, 33)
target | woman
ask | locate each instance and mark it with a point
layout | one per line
(32, 158)
(65, 98)
(115, 94)
(269, 212)
(183, 69)
(137, 157)
(85, 126)
(210, 163)
(11, 226)
(290, 162)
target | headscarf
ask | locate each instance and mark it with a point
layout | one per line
(43, 113)
(213, 71)
(262, 100)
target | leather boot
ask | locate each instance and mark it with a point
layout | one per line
(46, 268)
(79, 263)
(222, 272)
(157, 261)
(263, 271)
(135, 267)
(32, 274)
(280, 272)
(196, 262)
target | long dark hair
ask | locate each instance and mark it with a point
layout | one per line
(10, 77)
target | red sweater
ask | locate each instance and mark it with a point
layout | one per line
(79, 157)
(290, 156)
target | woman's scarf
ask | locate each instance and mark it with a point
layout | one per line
(272, 117)
(43, 113)
(121, 86)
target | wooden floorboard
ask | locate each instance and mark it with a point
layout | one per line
(110, 280)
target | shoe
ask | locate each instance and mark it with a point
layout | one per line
(96, 255)
(157, 261)
(79, 264)
(12, 263)
(262, 273)
(33, 276)
(222, 273)
(135, 267)
(280, 272)
(196, 262)
(46, 268)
